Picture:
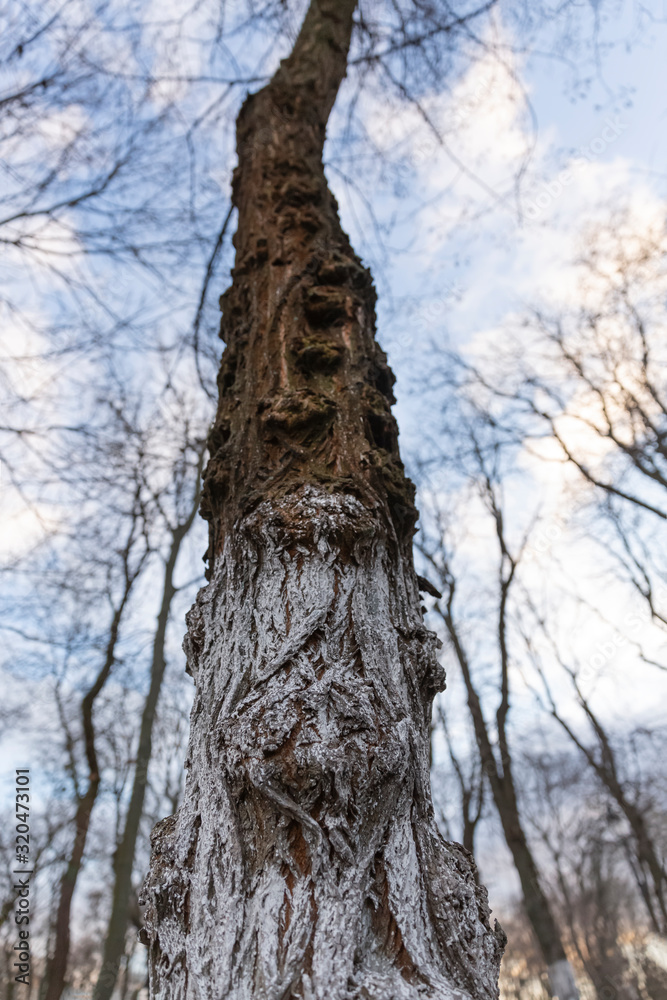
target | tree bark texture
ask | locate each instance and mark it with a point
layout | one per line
(305, 860)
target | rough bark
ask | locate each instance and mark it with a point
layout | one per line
(114, 942)
(305, 860)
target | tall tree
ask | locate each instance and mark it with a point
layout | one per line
(305, 859)
(131, 567)
(493, 741)
(123, 862)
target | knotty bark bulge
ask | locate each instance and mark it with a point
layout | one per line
(305, 860)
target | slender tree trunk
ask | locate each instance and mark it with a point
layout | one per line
(114, 944)
(57, 966)
(646, 852)
(561, 978)
(538, 908)
(305, 860)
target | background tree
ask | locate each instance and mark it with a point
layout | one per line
(584, 386)
(124, 856)
(580, 390)
(131, 565)
(589, 880)
(607, 765)
(483, 466)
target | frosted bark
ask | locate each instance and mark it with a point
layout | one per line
(305, 860)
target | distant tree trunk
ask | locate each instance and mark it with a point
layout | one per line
(537, 906)
(114, 943)
(305, 860)
(57, 966)
(648, 867)
(499, 772)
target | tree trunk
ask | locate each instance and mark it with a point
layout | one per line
(57, 966)
(305, 860)
(114, 943)
(561, 977)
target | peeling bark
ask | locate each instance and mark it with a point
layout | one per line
(305, 860)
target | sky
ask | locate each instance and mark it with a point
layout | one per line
(470, 261)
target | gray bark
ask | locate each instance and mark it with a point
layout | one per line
(318, 872)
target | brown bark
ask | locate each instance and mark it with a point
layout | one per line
(305, 860)
(305, 391)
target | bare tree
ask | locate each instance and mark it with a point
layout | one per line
(132, 555)
(600, 754)
(305, 857)
(590, 878)
(585, 387)
(124, 856)
(493, 740)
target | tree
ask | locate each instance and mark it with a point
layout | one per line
(580, 386)
(305, 859)
(493, 742)
(132, 557)
(114, 943)
(583, 385)
(138, 477)
(589, 872)
(607, 765)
